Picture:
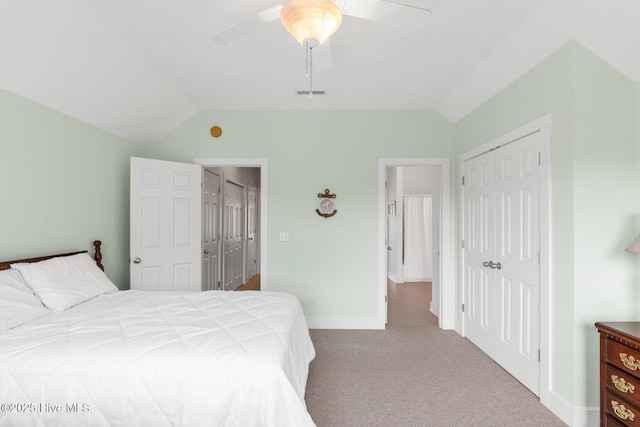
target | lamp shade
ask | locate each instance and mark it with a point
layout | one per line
(634, 248)
(311, 19)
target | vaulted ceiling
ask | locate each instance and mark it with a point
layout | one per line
(140, 68)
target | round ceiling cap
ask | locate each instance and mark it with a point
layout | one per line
(216, 131)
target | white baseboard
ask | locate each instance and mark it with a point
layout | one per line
(444, 323)
(392, 276)
(574, 416)
(344, 323)
(589, 417)
(449, 324)
(433, 308)
(359, 323)
(417, 279)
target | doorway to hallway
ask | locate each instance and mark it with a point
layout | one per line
(442, 278)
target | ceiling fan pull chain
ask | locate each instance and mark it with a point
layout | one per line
(310, 71)
(306, 58)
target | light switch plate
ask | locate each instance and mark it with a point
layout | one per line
(284, 236)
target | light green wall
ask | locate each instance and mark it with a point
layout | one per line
(333, 259)
(593, 164)
(64, 185)
(605, 208)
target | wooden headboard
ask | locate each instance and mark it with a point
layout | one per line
(5, 265)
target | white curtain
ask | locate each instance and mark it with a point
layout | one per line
(418, 229)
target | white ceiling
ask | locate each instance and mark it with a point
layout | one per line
(141, 68)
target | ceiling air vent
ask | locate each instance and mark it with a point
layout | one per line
(311, 93)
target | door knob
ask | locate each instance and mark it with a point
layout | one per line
(206, 252)
(137, 260)
(388, 248)
(491, 264)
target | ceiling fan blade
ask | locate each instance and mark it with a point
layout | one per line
(400, 3)
(394, 13)
(246, 25)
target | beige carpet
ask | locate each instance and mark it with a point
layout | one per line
(413, 374)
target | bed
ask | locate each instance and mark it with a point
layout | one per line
(96, 356)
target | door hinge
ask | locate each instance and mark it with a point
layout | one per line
(463, 180)
(462, 242)
(539, 159)
(385, 298)
(463, 308)
(538, 355)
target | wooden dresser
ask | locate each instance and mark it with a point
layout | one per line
(619, 373)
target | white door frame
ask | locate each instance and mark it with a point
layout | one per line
(249, 189)
(216, 226)
(542, 125)
(446, 320)
(250, 162)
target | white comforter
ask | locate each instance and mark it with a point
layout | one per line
(137, 358)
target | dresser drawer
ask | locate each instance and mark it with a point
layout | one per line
(622, 410)
(622, 384)
(611, 421)
(623, 357)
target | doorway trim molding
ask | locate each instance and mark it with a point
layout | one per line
(250, 162)
(543, 126)
(446, 319)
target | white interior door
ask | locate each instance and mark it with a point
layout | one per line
(252, 232)
(501, 256)
(517, 251)
(210, 231)
(233, 236)
(478, 249)
(165, 225)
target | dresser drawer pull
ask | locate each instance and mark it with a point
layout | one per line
(622, 384)
(621, 411)
(629, 361)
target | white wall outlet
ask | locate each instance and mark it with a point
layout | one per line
(284, 236)
(313, 300)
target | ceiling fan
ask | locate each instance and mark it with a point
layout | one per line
(371, 10)
(312, 22)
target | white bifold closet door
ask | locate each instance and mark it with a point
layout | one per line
(501, 264)
(418, 237)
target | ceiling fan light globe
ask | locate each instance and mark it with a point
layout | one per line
(311, 19)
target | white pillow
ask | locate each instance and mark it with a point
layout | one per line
(18, 304)
(63, 282)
